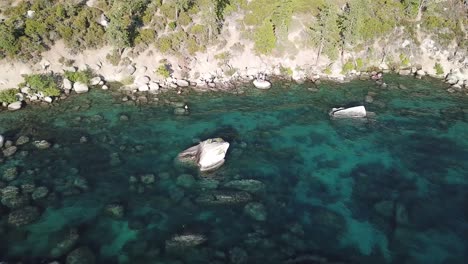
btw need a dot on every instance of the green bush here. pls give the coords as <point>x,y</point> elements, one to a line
<point>438,68</point>
<point>113,57</point>
<point>264,38</point>
<point>172,25</point>
<point>184,19</point>
<point>8,96</point>
<point>163,71</point>
<point>286,71</point>
<point>43,83</point>
<point>347,67</point>
<point>359,63</point>
<point>405,62</point>
<point>164,44</point>
<point>327,70</point>
<point>79,76</point>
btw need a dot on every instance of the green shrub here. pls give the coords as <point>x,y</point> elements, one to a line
<point>286,71</point>
<point>347,67</point>
<point>128,80</point>
<point>172,25</point>
<point>113,57</point>
<point>8,96</point>
<point>184,19</point>
<point>264,38</point>
<point>327,70</point>
<point>43,83</point>
<point>79,76</point>
<point>164,44</point>
<point>163,71</point>
<point>359,63</point>
<point>438,68</point>
<point>146,36</point>
<point>405,62</point>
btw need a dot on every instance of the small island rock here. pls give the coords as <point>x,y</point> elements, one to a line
<point>353,112</point>
<point>208,155</point>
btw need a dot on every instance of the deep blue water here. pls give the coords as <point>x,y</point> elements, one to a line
<point>391,189</point>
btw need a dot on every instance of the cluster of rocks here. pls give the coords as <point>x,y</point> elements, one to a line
<point>458,81</point>
<point>19,202</point>
<point>8,148</point>
<point>140,184</point>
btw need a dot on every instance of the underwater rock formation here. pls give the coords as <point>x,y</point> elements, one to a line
<point>352,112</point>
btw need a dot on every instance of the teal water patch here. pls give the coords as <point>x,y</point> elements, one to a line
<point>388,189</point>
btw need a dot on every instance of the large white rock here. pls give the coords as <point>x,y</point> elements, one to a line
<point>208,155</point>
<point>262,84</point>
<point>2,140</point>
<point>353,112</point>
<point>182,83</point>
<point>67,84</point>
<point>14,106</point>
<point>80,87</point>
<point>143,88</point>
<point>95,80</point>
<point>153,86</point>
<point>142,80</point>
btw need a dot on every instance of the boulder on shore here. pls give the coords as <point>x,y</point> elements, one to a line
<point>80,87</point>
<point>262,84</point>
<point>15,106</point>
<point>208,155</point>
<point>352,112</point>
<point>67,84</point>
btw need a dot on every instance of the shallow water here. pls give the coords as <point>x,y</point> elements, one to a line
<point>391,189</point>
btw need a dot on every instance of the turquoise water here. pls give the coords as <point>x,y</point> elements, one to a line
<point>391,189</point>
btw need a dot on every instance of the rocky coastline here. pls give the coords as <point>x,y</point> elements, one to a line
<point>142,85</point>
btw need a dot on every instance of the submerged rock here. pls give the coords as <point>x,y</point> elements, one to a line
<point>22,140</point>
<point>82,255</point>
<point>10,174</point>
<point>223,197</point>
<point>208,155</point>
<point>23,216</point>
<point>2,140</point>
<point>42,144</point>
<point>352,112</point>
<point>114,210</point>
<point>179,242</point>
<point>9,151</point>
<point>247,185</point>
<point>256,211</point>
<point>185,180</point>
<point>39,193</point>
<point>66,244</point>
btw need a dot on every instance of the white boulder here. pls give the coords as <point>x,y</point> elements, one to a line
<point>142,80</point>
<point>14,106</point>
<point>208,155</point>
<point>95,80</point>
<point>353,112</point>
<point>143,88</point>
<point>48,99</point>
<point>262,84</point>
<point>105,87</point>
<point>153,86</point>
<point>80,87</point>
<point>2,140</point>
<point>67,84</point>
<point>182,83</point>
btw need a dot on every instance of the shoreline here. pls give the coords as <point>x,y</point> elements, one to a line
<point>134,93</point>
